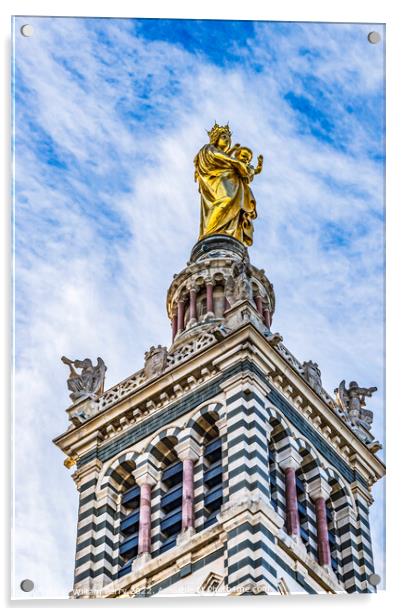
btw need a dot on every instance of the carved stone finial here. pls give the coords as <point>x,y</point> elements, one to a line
<point>88,384</point>
<point>312,374</point>
<point>155,361</point>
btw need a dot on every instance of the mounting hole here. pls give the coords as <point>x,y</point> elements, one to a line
<point>374,579</point>
<point>26,30</point>
<point>374,37</point>
<point>27,585</point>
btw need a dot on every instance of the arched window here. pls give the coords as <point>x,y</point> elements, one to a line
<point>307,472</point>
<point>332,538</point>
<point>219,299</point>
<point>129,521</point>
<point>213,472</point>
<point>273,473</point>
<point>276,474</point>
<point>171,502</point>
<point>201,304</point>
<point>302,506</point>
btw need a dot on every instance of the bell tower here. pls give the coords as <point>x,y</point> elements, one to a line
<point>222,465</point>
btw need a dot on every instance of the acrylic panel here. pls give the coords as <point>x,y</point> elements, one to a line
<point>198,230</point>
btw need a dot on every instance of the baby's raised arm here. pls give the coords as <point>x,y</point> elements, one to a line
<point>259,166</point>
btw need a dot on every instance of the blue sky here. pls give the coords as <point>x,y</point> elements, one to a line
<point>109,114</point>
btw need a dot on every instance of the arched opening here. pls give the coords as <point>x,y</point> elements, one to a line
<point>308,526</point>
<point>201,303</point>
<point>276,474</point>
<point>213,476</point>
<point>129,515</point>
<point>303,507</point>
<point>219,299</point>
<point>171,493</point>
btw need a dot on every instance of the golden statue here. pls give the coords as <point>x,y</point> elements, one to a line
<point>224,174</point>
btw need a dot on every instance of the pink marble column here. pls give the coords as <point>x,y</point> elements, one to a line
<point>180,315</point>
<point>174,326</point>
<point>267,317</point>
<point>144,532</point>
<point>258,301</point>
<point>289,461</point>
<point>210,297</point>
<point>193,304</point>
<point>188,494</point>
<point>324,553</point>
<point>292,512</point>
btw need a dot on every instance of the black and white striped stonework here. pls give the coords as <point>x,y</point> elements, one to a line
<point>250,558</point>
<point>249,549</point>
<point>247,444</point>
<point>360,565</point>
<point>98,529</point>
<point>86,529</point>
<point>240,444</point>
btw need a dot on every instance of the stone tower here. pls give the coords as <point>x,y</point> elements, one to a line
<point>222,465</point>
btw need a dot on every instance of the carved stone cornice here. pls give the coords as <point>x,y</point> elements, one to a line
<point>244,344</point>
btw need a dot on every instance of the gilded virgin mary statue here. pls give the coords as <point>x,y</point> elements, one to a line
<point>224,174</point>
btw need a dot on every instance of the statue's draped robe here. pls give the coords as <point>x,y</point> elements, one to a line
<point>227,203</point>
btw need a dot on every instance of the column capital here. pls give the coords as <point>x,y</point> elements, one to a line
<point>145,474</point>
<point>289,458</point>
<point>319,488</point>
<point>188,449</point>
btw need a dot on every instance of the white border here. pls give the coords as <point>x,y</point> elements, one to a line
<point>380,11</point>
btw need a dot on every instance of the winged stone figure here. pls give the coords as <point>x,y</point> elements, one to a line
<point>91,380</point>
<point>352,400</point>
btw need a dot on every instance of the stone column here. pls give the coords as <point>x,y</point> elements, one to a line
<point>267,317</point>
<point>210,297</point>
<point>188,494</point>
<point>289,460</point>
<point>174,326</point>
<point>258,301</point>
<point>320,491</point>
<point>193,305</point>
<point>188,452</point>
<point>180,316</point>
<point>144,533</point>
<point>145,478</point>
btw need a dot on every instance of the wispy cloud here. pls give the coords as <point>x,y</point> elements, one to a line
<point>109,115</point>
